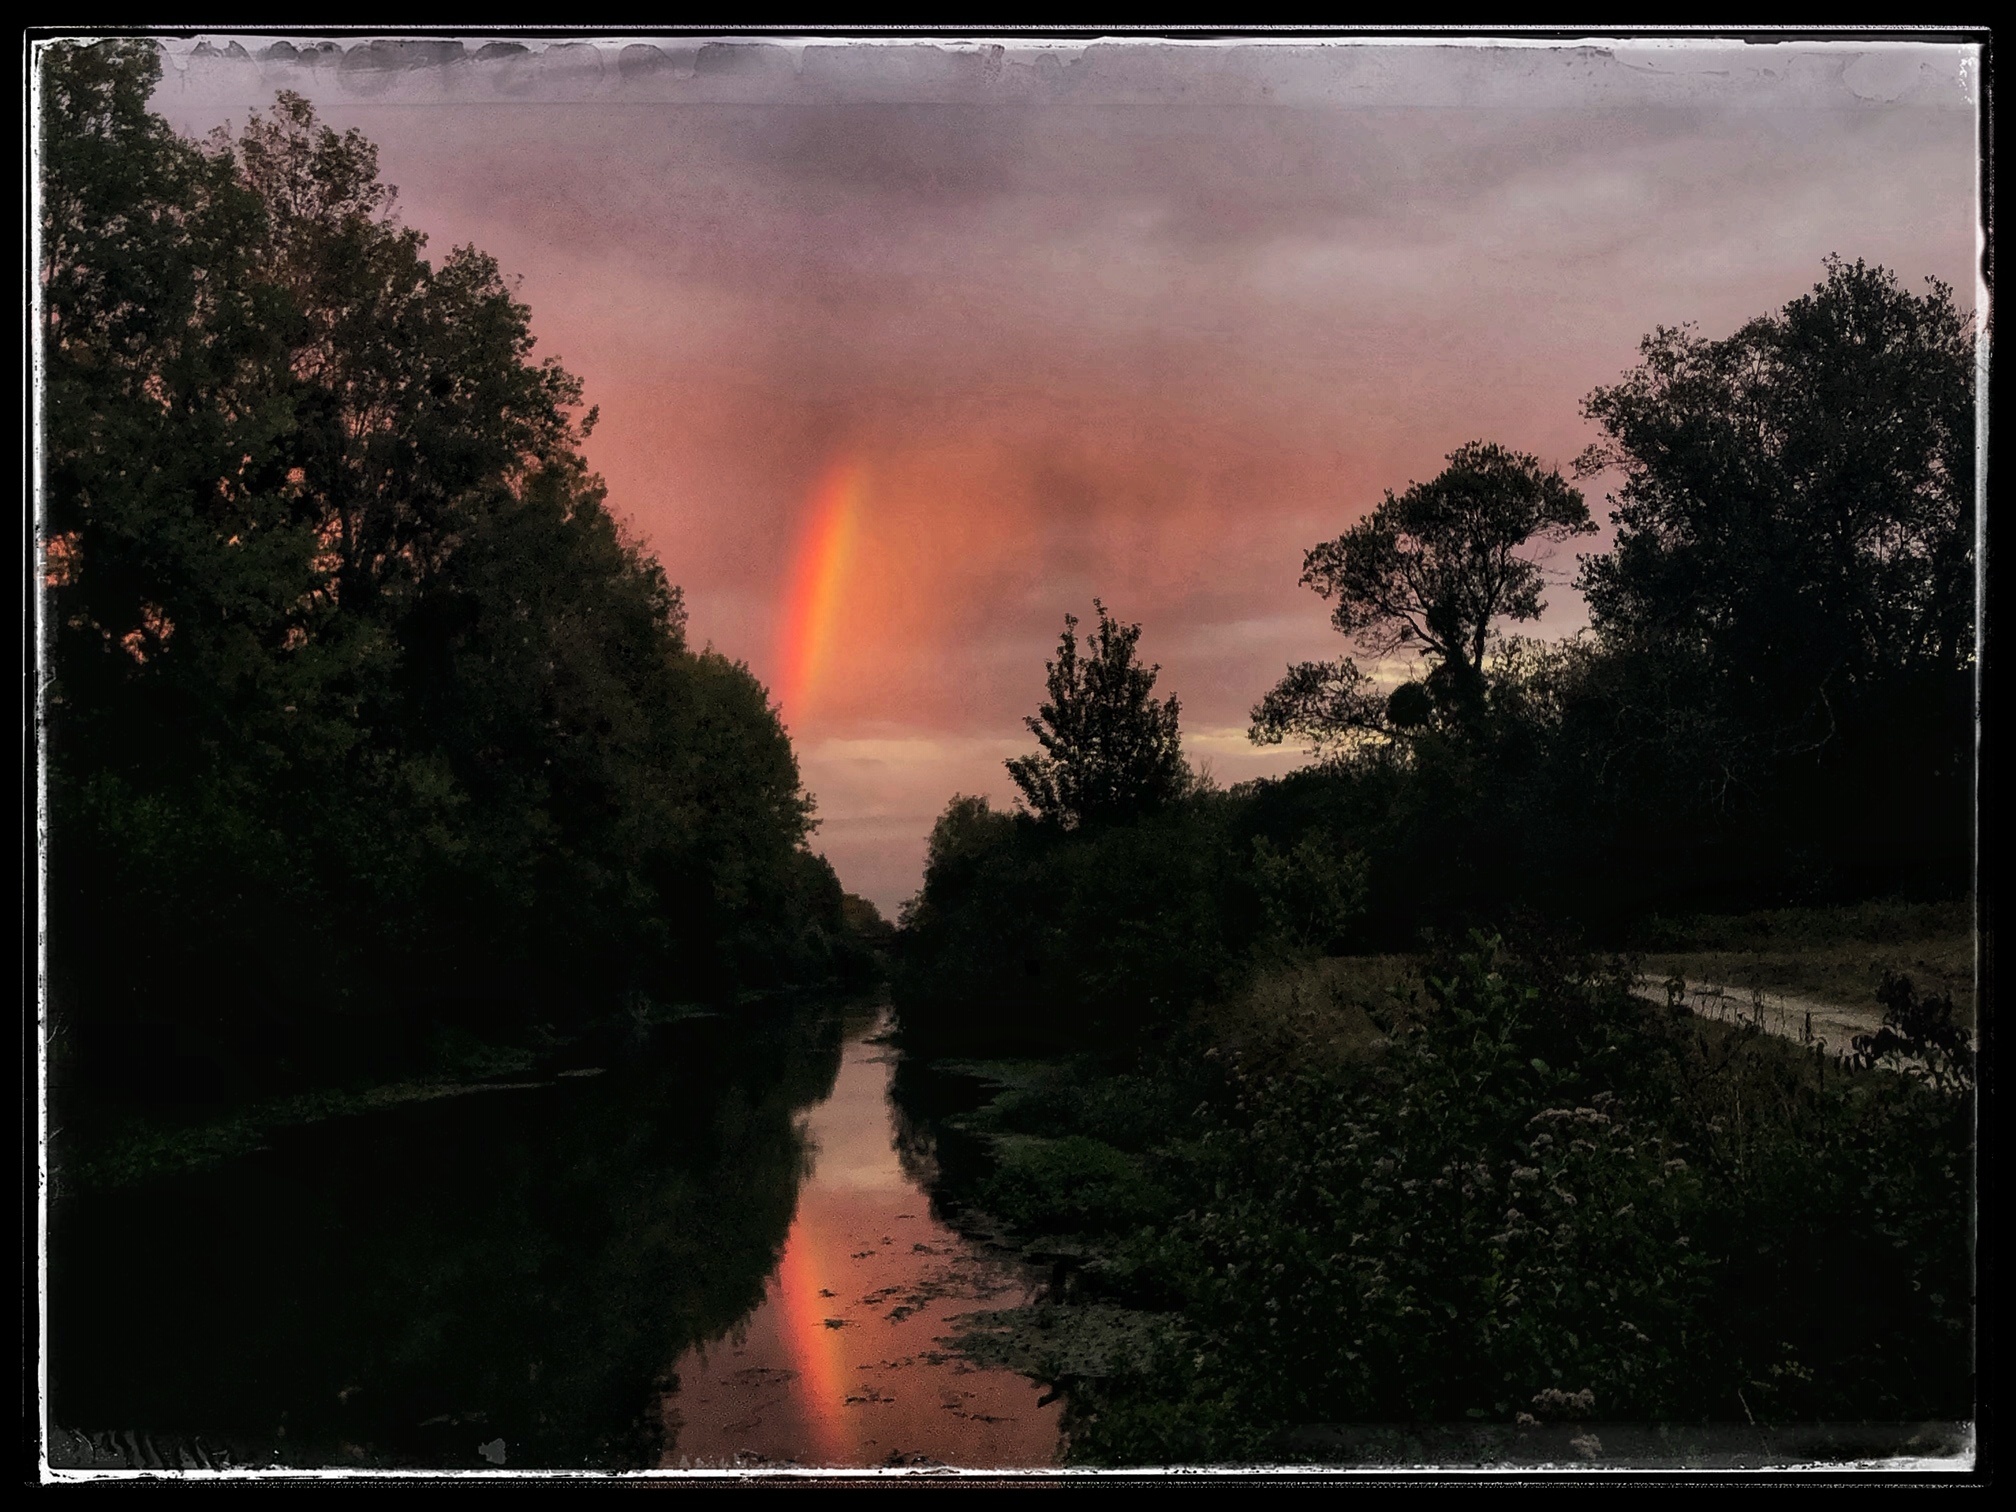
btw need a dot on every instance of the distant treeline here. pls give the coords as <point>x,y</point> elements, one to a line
<point>364,716</point>
<point>1773,704</point>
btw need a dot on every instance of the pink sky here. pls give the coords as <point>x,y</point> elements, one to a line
<point>1141,320</point>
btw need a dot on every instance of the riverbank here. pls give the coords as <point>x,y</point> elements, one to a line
<point>451,1281</point>
<point>716,1251</point>
<point>101,1144</point>
<point>1474,1193</point>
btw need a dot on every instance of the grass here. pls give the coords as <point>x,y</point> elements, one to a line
<point>134,1148</point>
<point>1836,955</point>
<point>1075,1184</point>
<point>1321,1010</point>
<point>1881,923</point>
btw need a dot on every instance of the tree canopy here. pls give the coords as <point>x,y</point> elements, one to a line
<point>359,691</point>
<point>1432,570</point>
<point>1793,581</point>
<point>1429,573</point>
<point>1797,506</point>
<point>1110,748</point>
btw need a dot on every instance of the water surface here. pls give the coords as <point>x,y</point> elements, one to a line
<point>616,1271</point>
<point>844,1361</point>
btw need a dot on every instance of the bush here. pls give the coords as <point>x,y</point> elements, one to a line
<point>1071,1185</point>
<point>1547,1191</point>
<point>1028,938</point>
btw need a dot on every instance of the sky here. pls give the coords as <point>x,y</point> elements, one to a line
<point>905,349</point>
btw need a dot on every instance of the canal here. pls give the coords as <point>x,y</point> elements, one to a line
<point>700,1251</point>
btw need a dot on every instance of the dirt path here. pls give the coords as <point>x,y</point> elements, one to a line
<point>1806,1020</point>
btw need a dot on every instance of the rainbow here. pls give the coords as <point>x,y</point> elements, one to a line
<point>809,626</point>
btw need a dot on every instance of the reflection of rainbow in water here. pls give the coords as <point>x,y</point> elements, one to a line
<point>863,1252</point>
<point>810,624</point>
<point>817,1352</point>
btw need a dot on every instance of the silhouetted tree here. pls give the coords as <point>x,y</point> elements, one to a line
<point>1110,748</point>
<point>360,698</point>
<point>1430,573</point>
<point>1798,498</point>
<point>1794,564</point>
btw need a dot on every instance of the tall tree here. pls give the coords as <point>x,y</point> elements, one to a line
<point>1429,573</point>
<point>1794,570</point>
<point>174,562</point>
<point>360,693</point>
<point>1110,748</point>
<point>1798,498</point>
<point>419,391</point>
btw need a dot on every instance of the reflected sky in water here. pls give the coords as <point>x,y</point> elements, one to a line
<point>843,1362</point>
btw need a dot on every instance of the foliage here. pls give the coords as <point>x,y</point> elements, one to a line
<point>1027,937</point>
<point>864,920</point>
<point>1775,698</point>
<point>1333,707</point>
<point>1311,894</point>
<point>1467,1226</point>
<point>1798,497</point>
<point>1920,1035</point>
<point>1787,616</point>
<point>1070,1185</point>
<point>1110,748</point>
<point>1543,1197</point>
<point>1429,572</point>
<point>1434,568</point>
<point>362,711</point>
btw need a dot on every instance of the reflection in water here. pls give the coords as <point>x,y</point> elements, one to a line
<point>843,1362</point>
<point>505,1278</point>
<point>441,1284</point>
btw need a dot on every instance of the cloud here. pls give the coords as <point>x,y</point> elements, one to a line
<point>879,794</point>
<point>1129,319</point>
